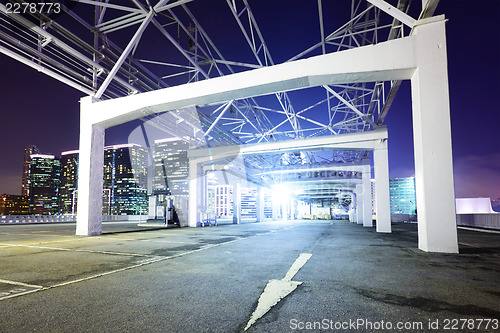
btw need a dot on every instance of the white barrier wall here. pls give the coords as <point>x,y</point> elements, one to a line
<point>8,219</point>
<point>15,219</point>
<point>490,221</point>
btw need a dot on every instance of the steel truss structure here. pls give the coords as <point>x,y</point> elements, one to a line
<point>225,73</point>
<point>111,48</point>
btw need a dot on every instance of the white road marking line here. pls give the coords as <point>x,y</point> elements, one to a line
<point>78,250</point>
<point>23,289</point>
<point>164,241</point>
<point>207,246</point>
<point>31,234</point>
<point>73,239</point>
<point>55,241</point>
<point>276,290</point>
<point>149,260</point>
<point>19,283</point>
<point>18,292</point>
<point>299,262</point>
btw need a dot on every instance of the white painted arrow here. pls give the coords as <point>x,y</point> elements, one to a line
<point>276,290</point>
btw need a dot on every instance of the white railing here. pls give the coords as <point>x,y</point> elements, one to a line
<point>20,219</point>
<point>13,219</point>
<point>403,218</point>
<point>117,218</point>
<point>490,221</point>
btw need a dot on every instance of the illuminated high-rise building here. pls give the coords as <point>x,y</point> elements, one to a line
<point>28,151</point>
<point>403,196</point>
<point>44,184</point>
<point>248,202</point>
<point>170,178</point>
<point>14,205</point>
<point>170,167</point>
<point>69,180</point>
<point>223,200</point>
<point>125,176</point>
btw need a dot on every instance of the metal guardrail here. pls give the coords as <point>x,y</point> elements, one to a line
<point>27,219</point>
<point>490,221</point>
<point>20,219</point>
<point>403,218</point>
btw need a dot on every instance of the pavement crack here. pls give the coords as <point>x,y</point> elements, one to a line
<point>428,304</point>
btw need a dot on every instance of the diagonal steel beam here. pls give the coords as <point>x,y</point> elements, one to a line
<point>124,55</point>
<point>350,106</point>
<point>218,117</point>
<point>162,6</point>
<point>394,12</point>
<point>109,5</point>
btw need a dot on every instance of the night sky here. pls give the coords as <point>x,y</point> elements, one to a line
<point>36,109</point>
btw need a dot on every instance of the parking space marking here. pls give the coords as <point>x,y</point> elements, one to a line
<point>165,241</point>
<point>18,292</point>
<point>78,250</point>
<point>149,260</point>
<point>19,283</point>
<point>24,289</point>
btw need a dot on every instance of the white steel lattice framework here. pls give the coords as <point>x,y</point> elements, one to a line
<point>142,49</point>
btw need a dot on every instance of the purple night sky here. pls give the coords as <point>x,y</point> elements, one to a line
<point>36,109</point>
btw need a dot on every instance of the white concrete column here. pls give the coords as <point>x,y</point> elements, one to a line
<point>260,205</point>
<point>367,196</point>
<point>382,196</point>
<point>90,173</point>
<point>352,208</point>
<point>152,204</point>
<point>359,204</point>
<point>237,202</point>
<point>276,207</point>
<point>437,230</point>
<point>284,208</point>
<point>194,194</point>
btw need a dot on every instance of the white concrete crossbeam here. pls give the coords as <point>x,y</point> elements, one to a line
<point>364,64</point>
<point>352,141</point>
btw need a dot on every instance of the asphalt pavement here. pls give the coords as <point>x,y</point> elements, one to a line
<point>348,279</point>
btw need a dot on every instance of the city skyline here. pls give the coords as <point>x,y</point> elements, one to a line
<point>31,101</point>
<point>169,163</point>
<point>50,182</point>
